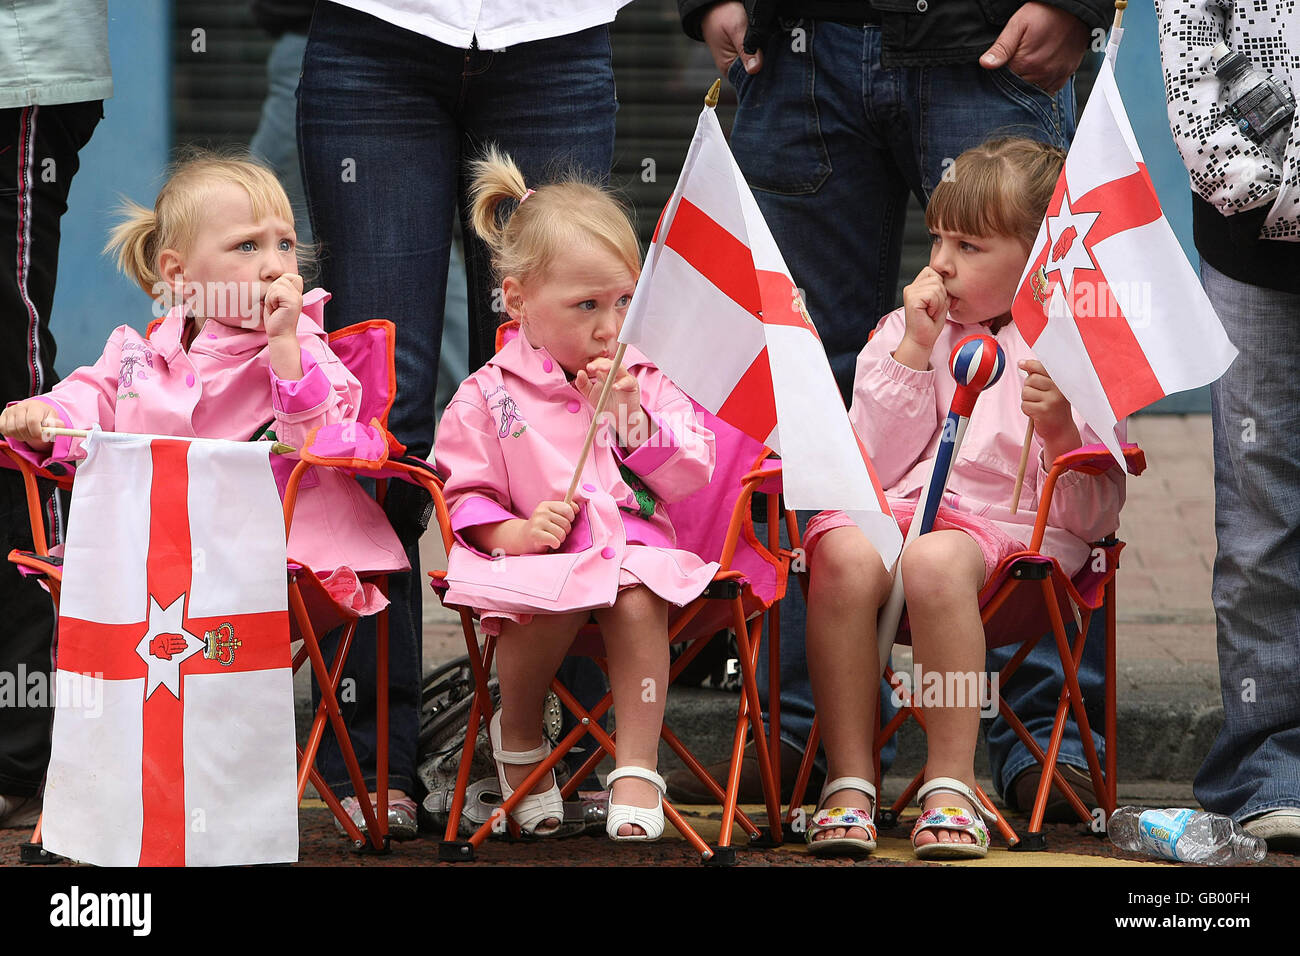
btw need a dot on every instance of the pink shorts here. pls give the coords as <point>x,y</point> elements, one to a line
<point>994,543</point>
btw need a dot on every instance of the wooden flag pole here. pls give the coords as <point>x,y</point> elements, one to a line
<point>279,448</point>
<point>595,420</point>
<point>1024,462</point>
<point>1120,7</point>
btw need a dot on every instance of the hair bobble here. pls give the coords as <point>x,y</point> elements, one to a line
<point>526,195</point>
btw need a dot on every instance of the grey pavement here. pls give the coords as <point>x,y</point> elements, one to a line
<point>1168,690</point>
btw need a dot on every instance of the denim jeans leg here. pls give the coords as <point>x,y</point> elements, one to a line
<point>1254,764</point>
<point>276,138</point>
<point>956,107</point>
<point>834,196</point>
<point>550,104</point>
<point>379,152</point>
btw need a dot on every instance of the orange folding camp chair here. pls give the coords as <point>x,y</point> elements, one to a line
<point>716,524</point>
<point>367,350</point>
<point>1028,596</point>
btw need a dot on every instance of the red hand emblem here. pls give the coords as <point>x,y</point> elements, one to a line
<point>165,645</point>
<point>1064,243</point>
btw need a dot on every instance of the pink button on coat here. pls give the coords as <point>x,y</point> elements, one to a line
<point>510,439</point>
<point>223,387</point>
<point>899,413</point>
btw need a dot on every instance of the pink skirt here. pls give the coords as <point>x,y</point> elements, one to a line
<point>994,543</point>
<point>490,620</point>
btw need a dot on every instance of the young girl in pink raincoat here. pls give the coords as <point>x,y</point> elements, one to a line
<point>535,568</point>
<point>240,347</point>
<point>982,224</point>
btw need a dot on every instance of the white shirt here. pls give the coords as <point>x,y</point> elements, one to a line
<point>496,24</point>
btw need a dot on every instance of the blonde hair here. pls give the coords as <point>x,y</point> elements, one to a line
<point>173,222</point>
<point>555,218</point>
<point>1001,187</point>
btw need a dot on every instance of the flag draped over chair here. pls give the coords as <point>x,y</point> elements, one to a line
<point>716,309</point>
<point>173,739</point>
<point>1108,301</point>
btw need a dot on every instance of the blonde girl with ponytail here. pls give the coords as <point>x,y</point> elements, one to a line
<point>536,567</point>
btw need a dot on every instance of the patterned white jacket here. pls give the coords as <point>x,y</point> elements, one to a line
<point>1227,169</point>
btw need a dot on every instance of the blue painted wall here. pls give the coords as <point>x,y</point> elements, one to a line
<point>126,156</point>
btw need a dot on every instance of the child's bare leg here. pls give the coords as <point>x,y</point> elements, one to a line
<point>847,585</point>
<point>635,631</point>
<point>528,655</point>
<point>942,575</point>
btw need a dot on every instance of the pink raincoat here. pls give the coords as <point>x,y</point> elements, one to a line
<point>899,412</point>
<point>510,439</point>
<point>223,387</point>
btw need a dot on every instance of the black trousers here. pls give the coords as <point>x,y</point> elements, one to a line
<point>39,148</point>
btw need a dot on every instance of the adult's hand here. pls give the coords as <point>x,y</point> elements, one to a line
<point>1041,44</point>
<point>723,27</point>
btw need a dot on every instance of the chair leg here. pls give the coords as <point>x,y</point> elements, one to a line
<point>381,715</point>
<point>34,852</point>
<point>606,743</point>
<point>749,646</point>
<point>1110,800</point>
<point>805,771</point>
<point>317,731</point>
<point>336,718</point>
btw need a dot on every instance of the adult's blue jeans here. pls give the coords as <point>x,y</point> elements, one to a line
<point>1254,764</point>
<point>388,121</point>
<point>276,138</point>
<point>834,145</point>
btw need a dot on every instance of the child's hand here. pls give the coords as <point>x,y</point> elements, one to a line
<point>547,528</point>
<point>25,420</point>
<point>925,309</point>
<point>1042,401</point>
<point>281,306</point>
<point>624,396</point>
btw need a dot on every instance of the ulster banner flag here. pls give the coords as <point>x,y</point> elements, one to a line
<point>1108,302</point>
<point>715,308</point>
<point>173,737</point>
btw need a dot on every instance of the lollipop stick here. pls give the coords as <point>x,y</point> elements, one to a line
<point>1024,461</point>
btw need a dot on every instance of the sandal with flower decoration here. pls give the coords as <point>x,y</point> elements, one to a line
<point>832,818</point>
<point>968,820</point>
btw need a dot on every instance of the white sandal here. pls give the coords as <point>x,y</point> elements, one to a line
<point>834,818</point>
<point>951,818</point>
<point>649,819</point>
<point>535,807</point>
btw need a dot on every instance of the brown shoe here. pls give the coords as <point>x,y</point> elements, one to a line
<point>1025,788</point>
<point>685,787</point>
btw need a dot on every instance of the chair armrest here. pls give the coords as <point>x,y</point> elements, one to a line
<point>1089,460</point>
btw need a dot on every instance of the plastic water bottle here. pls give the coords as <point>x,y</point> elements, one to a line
<point>1189,836</point>
<point>1262,106</point>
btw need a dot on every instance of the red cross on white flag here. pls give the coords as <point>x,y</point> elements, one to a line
<point>1108,301</point>
<point>716,309</point>
<point>173,738</point>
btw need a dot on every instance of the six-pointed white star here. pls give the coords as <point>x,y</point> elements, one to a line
<point>166,621</point>
<point>1077,255</point>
